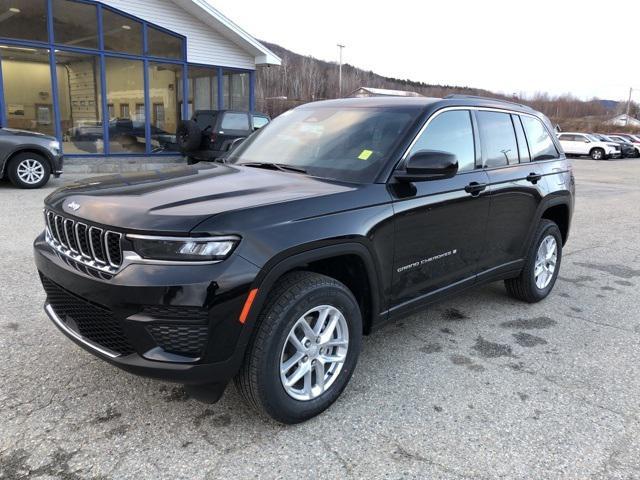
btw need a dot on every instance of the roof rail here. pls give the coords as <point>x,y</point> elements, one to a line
<point>461,95</point>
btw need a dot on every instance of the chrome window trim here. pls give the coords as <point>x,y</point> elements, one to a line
<point>69,331</point>
<point>470,108</point>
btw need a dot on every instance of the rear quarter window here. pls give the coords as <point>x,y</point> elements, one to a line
<point>541,145</point>
<point>235,121</point>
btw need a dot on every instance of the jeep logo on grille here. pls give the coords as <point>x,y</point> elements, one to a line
<point>74,206</point>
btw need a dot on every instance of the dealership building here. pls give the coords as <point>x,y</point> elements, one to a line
<point>114,78</point>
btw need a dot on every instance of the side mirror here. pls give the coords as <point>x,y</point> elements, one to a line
<point>428,165</point>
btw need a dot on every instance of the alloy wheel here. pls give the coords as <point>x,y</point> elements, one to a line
<point>546,260</point>
<point>30,171</point>
<point>314,352</point>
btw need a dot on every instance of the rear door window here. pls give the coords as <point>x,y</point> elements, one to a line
<point>235,121</point>
<point>499,146</point>
<point>204,120</point>
<point>259,121</point>
<point>540,143</point>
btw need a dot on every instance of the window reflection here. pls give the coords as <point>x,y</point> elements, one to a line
<point>161,44</point>
<point>27,89</point>
<point>26,20</point>
<point>121,34</point>
<point>236,90</point>
<point>125,90</point>
<point>75,23</point>
<point>165,95</point>
<point>80,102</point>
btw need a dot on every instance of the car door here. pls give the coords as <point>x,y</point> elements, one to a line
<point>582,144</point>
<point>233,125</point>
<point>439,224</point>
<point>518,184</point>
<point>569,143</point>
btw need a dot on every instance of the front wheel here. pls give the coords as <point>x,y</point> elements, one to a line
<point>305,349</point>
<point>597,154</point>
<point>29,170</point>
<point>541,267</point>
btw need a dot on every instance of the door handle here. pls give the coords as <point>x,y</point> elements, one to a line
<point>534,177</point>
<point>474,188</point>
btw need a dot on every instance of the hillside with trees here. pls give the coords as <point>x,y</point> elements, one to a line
<point>301,79</point>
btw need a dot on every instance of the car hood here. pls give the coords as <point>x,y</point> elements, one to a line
<point>26,133</point>
<point>176,200</point>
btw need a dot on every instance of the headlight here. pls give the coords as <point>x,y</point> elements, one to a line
<point>177,249</point>
<point>54,145</point>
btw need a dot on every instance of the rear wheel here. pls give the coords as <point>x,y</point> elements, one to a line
<point>597,154</point>
<point>542,265</point>
<point>305,349</point>
<point>29,170</point>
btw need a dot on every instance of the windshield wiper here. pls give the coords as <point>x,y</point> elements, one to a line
<point>283,167</point>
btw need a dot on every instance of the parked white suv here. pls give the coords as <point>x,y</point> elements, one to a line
<point>585,144</point>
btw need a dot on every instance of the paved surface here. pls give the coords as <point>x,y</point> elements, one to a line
<point>477,387</point>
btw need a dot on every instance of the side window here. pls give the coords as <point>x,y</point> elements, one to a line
<point>450,132</point>
<point>523,149</point>
<point>235,121</point>
<point>499,146</point>
<point>566,137</point>
<point>259,122</point>
<point>540,143</point>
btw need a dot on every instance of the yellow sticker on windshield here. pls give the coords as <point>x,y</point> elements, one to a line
<point>365,154</point>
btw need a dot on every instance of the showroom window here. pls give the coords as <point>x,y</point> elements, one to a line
<point>28,100</point>
<point>75,23</point>
<point>80,103</point>
<point>165,96</point>
<point>125,90</point>
<point>203,89</point>
<point>24,20</point>
<point>121,33</point>
<point>236,90</point>
<point>162,44</point>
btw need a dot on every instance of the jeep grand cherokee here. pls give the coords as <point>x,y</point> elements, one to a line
<point>335,218</point>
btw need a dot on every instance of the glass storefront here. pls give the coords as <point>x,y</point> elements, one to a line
<point>103,81</point>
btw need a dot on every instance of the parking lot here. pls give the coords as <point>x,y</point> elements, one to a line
<point>480,386</point>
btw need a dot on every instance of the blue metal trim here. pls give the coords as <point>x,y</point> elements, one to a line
<point>50,21</point>
<point>145,40</point>
<point>106,147</point>
<point>252,93</point>
<point>3,110</point>
<point>123,155</point>
<point>185,92</point>
<point>221,104</point>
<point>100,29</point>
<point>54,94</point>
<point>147,115</point>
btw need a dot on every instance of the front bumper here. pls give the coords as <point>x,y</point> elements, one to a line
<point>57,162</point>
<point>170,322</point>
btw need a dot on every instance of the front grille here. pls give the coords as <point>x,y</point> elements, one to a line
<point>189,314</point>
<point>90,245</point>
<point>93,322</point>
<point>186,340</point>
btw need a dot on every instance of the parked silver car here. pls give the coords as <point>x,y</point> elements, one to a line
<point>29,159</point>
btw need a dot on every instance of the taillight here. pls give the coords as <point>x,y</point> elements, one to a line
<point>213,136</point>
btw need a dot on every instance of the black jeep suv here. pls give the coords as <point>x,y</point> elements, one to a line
<point>335,218</point>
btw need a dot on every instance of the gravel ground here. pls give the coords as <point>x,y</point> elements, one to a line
<point>480,386</point>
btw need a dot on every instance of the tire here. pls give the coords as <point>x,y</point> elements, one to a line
<point>259,380</point>
<point>29,170</point>
<point>597,154</point>
<point>188,136</point>
<point>524,287</point>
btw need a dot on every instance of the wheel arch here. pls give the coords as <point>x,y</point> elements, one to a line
<point>349,263</point>
<point>25,149</point>
<point>558,210</point>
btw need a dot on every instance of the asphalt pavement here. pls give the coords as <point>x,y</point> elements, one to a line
<point>480,386</point>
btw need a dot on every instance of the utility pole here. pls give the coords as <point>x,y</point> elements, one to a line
<point>628,106</point>
<point>340,71</point>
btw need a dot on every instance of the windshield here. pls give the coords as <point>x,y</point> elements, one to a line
<point>593,138</point>
<point>348,144</point>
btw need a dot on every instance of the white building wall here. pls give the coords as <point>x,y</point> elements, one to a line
<point>204,44</point>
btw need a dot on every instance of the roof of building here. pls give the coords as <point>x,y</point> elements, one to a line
<point>208,14</point>
<point>383,92</point>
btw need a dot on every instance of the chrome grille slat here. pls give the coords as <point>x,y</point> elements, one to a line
<point>86,245</point>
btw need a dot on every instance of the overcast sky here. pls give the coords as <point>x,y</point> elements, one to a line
<point>517,46</point>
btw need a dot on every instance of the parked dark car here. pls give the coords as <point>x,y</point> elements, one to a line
<point>334,219</point>
<point>627,149</point>
<point>29,159</point>
<point>211,134</point>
